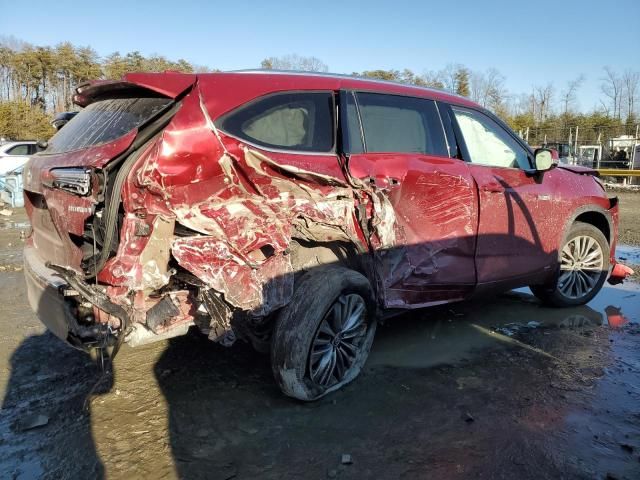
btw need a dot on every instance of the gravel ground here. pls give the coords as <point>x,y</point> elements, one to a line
<point>629,217</point>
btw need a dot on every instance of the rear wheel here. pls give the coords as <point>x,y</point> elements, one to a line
<point>323,336</point>
<point>583,269</point>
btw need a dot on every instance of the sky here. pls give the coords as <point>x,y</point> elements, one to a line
<point>530,43</point>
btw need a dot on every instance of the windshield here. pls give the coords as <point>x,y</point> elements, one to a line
<point>105,121</point>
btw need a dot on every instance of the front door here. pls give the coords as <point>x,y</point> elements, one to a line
<point>516,207</point>
<point>397,145</point>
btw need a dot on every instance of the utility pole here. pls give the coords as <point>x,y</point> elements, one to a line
<point>598,141</point>
<point>576,144</point>
<point>572,156</point>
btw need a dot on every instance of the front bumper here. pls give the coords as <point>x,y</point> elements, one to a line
<point>44,294</point>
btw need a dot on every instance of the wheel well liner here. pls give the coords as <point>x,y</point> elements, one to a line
<point>598,220</point>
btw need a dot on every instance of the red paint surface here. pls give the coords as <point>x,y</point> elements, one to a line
<point>169,84</point>
<point>437,226</point>
<point>436,207</point>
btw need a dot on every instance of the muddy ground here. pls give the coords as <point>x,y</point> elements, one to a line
<point>498,388</point>
<point>629,217</point>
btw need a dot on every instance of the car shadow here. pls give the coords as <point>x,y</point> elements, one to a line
<point>228,419</point>
<point>46,391</point>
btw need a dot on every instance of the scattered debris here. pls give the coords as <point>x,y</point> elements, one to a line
<point>468,382</point>
<point>10,268</point>
<point>249,430</point>
<point>346,459</point>
<point>469,418</point>
<point>510,329</point>
<point>32,421</point>
<point>626,447</point>
<point>6,212</point>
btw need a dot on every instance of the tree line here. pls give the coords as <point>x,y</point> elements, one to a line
<point>38,81</point>
<point>546,112</point>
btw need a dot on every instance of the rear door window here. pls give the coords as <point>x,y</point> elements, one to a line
<point>105,121</point>
<point>300,121</point>
<point>394,123</point>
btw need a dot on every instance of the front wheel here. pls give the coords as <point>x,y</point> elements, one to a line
<point>323,336</point>
<point>584,266</point>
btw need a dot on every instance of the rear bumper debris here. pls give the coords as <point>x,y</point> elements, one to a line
<point>84,316</point>
<point>43,293</point>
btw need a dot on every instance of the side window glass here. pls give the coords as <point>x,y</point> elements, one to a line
<point>19,150</point>
<point>488,143</point>
<point>394,123</point>
<point>351,133</point>
<point>292,121</point>
<point>447,123</point>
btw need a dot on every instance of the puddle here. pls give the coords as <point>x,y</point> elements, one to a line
<point>628,254</point>
<point>447,335</point>
<point>618,300</point>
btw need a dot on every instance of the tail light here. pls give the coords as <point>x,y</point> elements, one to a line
<point>73,180</point>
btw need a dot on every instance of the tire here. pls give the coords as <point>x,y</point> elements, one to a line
<point>321,327</point>
<point>577,286</point>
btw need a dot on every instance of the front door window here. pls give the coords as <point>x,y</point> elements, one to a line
<point>488,144</point>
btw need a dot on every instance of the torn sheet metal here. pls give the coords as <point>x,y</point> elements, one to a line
<point>244,207</point>
<point>433,213</point>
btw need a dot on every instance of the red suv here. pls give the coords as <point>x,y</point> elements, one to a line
<point>294,211</point>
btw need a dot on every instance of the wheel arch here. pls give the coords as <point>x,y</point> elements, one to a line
<point>307,255</point>
<point>593,215</point>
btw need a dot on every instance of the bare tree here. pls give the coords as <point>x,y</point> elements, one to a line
<point>517,104</point>
<point>488,89</point>
<point>449,76</point>
<point>568,95</point>
<point>543,98</point>
<point>432,79</point>
<point>630,84</point>
<point>611,86</point>
<point>605,109</point>
<point>294,62</point>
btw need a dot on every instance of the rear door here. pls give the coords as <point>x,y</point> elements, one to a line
<point>518,210</point>
<point>396,144</point>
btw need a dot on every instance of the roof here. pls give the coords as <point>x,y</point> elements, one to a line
<point>226,90</point>
<point>352,82</point>
<point>171,83</point>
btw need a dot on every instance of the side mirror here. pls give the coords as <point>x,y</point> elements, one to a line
<point>544,159</point>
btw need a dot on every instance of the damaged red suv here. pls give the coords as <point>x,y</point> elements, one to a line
<point>294,211</point>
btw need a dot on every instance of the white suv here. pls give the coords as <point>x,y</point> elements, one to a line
<point>16,154</point>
